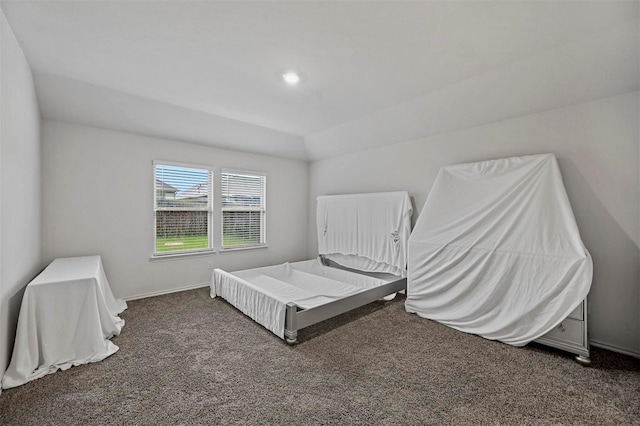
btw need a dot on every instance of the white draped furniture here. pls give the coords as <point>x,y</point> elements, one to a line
<point>497,252</point>
<point>67,317</point>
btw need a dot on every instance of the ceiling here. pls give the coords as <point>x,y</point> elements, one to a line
<point>209,72</point>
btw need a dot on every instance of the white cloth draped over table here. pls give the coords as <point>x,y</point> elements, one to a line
<point>67,315</point>
<point>367,232</point>
<point>496,250</point>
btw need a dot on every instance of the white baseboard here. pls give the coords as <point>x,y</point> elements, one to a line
<point>162,292</point>
<point>614,348</point>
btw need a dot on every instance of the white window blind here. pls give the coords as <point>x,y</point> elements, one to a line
<point>183,208</point>
<point>243,209</point>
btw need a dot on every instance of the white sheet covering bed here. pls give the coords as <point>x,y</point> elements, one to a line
<point>367,232</point>
<point>263,293</point>
<point>496,250</point>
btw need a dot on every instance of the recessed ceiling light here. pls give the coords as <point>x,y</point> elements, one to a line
<point>291,77</point>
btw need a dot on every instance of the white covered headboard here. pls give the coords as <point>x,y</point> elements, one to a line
<point>367,232</point>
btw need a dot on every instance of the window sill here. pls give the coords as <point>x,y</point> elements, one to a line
<point>231,249</point>
<point>178,256</point>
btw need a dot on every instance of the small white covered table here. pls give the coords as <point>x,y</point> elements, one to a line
<point>67,317</point>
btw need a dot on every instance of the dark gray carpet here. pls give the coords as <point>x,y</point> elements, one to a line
<point>187,359</point>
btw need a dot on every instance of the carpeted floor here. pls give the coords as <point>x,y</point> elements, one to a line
<point>187,359</point>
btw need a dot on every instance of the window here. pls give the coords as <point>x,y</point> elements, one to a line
<point>183,206</point>
<point>243,209</point>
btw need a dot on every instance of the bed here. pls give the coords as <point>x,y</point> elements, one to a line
<point>362,246</point>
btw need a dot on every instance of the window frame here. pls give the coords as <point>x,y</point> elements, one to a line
<point>262,210</point>
<point>209,209</point>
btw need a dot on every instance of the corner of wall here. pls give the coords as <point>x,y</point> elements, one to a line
<point>20,128</point>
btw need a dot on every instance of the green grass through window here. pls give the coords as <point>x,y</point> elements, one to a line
<point>238,241</point>
<point>181,243</point>
<point>168,244</point>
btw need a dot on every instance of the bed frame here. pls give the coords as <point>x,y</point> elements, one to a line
<point>297,318</point>
<point>397,207</point>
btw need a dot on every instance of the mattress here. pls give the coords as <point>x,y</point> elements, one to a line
<point>263,293</point>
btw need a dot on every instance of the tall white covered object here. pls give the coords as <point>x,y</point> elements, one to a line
<point>496,250</point>
<point>367,232</point>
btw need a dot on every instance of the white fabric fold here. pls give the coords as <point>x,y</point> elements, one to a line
<point>496,250</point>
<point>367,232</point>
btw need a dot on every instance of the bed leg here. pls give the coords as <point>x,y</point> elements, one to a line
<point>585,361</point>
<point>291,337</point>
<point>290,327</point>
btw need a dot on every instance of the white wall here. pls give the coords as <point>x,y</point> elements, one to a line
<point>20,259</point>
<point>598,148</point>
<point>98,199</point>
